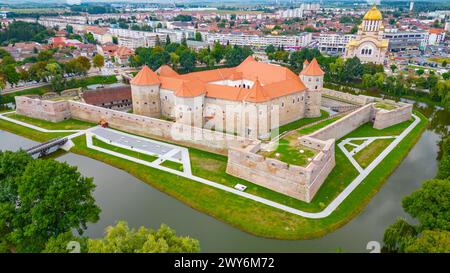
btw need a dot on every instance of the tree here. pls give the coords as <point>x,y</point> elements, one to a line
<point>393,68</point>
<point>237,55</point>
<point>62,243</point>
<point>122,239</point>
<point>430,204</point>
<point>11,74</point>
<point>98,61</point>
<point>174,59</point>
<point>270,49</point>
<point>430,241</point>
<point>40,199</point>
<point>187,60</point>
<point>167,40</point>
<point>398,235</point>
<point>69,29</point>
<point>420,71</point>
<point>198,36</point>
<point>444,64</point>
<point>85,64</point>
<point>45,55</point>
<point>353,69</point>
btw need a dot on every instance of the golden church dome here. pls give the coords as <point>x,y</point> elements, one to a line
<point>373,14</point>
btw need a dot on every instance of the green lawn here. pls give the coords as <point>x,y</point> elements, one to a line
<point>69,124</point>
<point>173,165</point>
<point>290,153</point>
<point>300,123</point>
<point>320,125</point>
<point>251,216</point>
<point>358,141</point>
<point>349,147</point>
<point>135,154</point>
<point>28,133</point>
<point>385,106</point>
<point>369,153</point>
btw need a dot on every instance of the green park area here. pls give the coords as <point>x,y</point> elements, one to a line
<point>245,214</point>
<point>369,153</point>
<point>68,124</point>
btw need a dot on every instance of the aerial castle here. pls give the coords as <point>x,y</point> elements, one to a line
<point>276,94</point>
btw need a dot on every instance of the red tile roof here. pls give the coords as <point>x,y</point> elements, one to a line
<point>313,69</point>
<point>145,77</point>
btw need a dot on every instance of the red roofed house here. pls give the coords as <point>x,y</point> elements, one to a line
<point>275,94</point>
<point>436,36</point>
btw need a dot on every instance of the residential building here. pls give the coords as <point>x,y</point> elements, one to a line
<point>259,41</point>
<point>334,43</point>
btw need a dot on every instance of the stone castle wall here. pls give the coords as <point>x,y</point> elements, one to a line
<point>384,118</point>
<point>295,181</point>
<point>345,125</point>
<point>208,140</point>
<point>54,111</point>
<point>355,99</point>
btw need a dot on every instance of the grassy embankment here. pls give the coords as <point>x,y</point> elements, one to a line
<point>254,217</point>
<point>69,124</point>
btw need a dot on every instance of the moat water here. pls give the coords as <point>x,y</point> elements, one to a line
<point>123,197</point>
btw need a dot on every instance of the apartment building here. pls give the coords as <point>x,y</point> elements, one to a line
<point>334,43</point>
<point>259,41</point>
<point>133,39</point>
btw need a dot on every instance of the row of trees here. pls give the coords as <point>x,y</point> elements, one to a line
<point>182,58</point>
<point>430,206</point>
<point>371,77</point>
<point>19,31</point>
<point>45,69</point>
<point>43,201</point>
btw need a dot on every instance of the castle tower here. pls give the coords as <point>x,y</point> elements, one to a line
<point>312,78</point>
<point>189,103</point>
<point>145,88</point>
<point>369,45</point>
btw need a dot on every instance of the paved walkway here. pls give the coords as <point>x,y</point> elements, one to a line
<point>163,151</point>
<point>358,147</point>
<point>314,215</point>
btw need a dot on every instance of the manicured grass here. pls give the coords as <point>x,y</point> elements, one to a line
<point>367,130</point>
<point>173,165</point>
<point>368,154</point>
<point>28,133</point>
<point>349,147</point>
<point>385,106</point>
<point>257,218</point>
<point>290,153</point>
<point>320,125</point>
<point>69,124</point>
<point>98,80</point>
<point>135,154</point>
<point>358,141</point>
<point>299,123</point>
